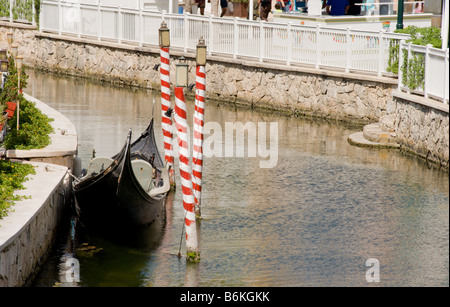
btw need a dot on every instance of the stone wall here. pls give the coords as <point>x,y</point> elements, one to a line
<point>422,126</point>
<point>297,91</point>
<point>28,233</point>
<point>334,95</point>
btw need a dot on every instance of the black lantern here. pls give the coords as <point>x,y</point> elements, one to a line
<point>182,71</point>
<point>4,65</point>
<point>164,35</point>
<point>3,55</point>
<point>201,52</point>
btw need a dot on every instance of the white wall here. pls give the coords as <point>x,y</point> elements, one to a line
<point>160,5</point>
<point>149,4</point>
<point>134,4</point>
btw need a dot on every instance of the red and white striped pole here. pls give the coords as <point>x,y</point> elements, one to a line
<point>166,121</point>
<point>192,251</point>
<point>197,159</point>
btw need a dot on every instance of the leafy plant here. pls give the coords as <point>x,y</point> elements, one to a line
<point>416,71</point>
<point>413,69</point>
<point>10,92</point>
<point>34,127</point>
<point>394,48</point>
<point>423,36</point>
<point>12,177</point>
<point>4,8</point>
<point>22,9</point>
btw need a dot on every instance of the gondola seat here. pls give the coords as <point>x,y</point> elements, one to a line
<point>144,173</point>
<point>98,165</point>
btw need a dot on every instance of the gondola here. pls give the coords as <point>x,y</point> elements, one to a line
<point>125,191</point>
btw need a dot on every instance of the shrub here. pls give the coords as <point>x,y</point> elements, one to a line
<point>418,36</point>
<point>12,177</point>
<point>34,127</point>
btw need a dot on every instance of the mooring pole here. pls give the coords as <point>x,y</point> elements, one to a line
<point>166,121</point>
<point>197,159</point>
<point>192,251</point>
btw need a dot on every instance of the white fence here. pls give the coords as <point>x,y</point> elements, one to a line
<point>424,70</point>
<point>320,47</point>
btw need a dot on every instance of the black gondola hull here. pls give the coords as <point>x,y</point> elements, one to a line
<point>114,199</point>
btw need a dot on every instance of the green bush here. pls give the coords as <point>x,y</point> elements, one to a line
<point>34,127</point>
<point>12,177</point>
<point>423,36</point>
<point>413,70</point>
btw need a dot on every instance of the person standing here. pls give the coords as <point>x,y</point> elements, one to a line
<point>384,8</point>
<point>224,6</point>
<point>337,7</point>
<point>354,8</point>
<point>285,5</point>
<point>201,5</point>
<point>265,7</point>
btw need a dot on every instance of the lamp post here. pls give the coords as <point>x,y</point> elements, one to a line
<point>19,63</point>
<point>166,120</point>
<point>192,251</point>
<point>400,14</point>
<point>197,159</point>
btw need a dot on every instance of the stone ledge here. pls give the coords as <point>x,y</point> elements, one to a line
<point>19,25</point>
<point>421,100</point>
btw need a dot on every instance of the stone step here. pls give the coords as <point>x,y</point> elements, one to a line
<point>358,139</point>
<point>375,133</point>
<point>381,134</point>
<point>387,123</point>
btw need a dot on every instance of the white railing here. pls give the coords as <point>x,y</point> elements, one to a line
<point>18,11</point>
<point>424,70</point>
<point>320,47</point>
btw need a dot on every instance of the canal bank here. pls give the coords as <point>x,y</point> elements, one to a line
<point>323,211</point>
<point>295,90</point>
<point>28,232</point>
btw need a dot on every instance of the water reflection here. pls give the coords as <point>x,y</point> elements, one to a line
<point>313,220</point>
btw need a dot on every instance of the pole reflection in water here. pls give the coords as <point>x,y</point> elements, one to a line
<point>312,220</point>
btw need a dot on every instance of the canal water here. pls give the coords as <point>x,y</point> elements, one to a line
<point>325,215</point>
